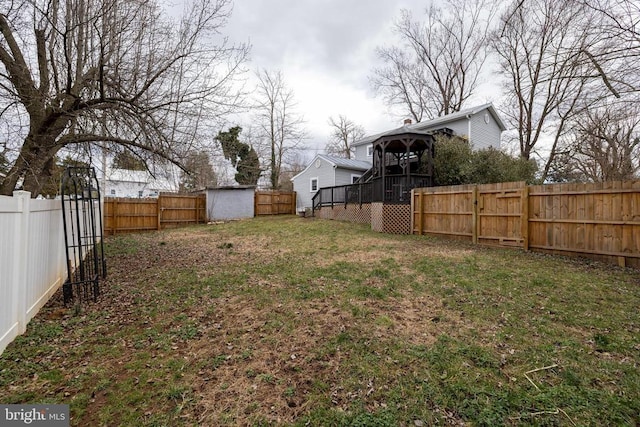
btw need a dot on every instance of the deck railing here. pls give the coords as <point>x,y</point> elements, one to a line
<point>391,189</point>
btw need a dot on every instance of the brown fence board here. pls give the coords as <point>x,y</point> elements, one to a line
<point>275,203</point>
<point>599,220</point>
<point>168,210</point>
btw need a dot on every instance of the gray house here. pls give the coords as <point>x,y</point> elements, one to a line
<point>481,125</point>
<point>326,171</point>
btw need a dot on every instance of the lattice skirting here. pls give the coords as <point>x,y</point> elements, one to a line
<point>391,218</point>
<point>351,213</point>
<point>383,217</point>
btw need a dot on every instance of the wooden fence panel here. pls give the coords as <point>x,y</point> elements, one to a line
<point>500,213</point>
<point>275,203</point>
<point>125,215</point>
<point>601,220</point>
<point>598,220</point>
<point>176,210</point>
<point>444,210</point>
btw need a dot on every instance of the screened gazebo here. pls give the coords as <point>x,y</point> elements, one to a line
<point>402,160</point>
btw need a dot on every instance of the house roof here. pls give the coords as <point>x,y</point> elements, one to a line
<point>142,177</point>
<point>341,162</point>
<point>126,175</point>
<point>434,123</point>
<point>338,162</point>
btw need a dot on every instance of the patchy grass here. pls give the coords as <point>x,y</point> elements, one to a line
<point>293,321</point>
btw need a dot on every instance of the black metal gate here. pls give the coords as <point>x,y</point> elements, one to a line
<point>83,233</point>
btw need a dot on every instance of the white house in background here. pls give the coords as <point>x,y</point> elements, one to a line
<point>130,183</point>
<point>481,125</point>
<point>326,171</point>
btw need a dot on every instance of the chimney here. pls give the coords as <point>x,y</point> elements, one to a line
<point>407,122</point>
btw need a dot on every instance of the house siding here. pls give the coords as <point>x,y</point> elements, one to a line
<point>484,135</point>
<point>302,183</point>
<point>329,174</point>
<point>459,127</point>
<point>343,176</point>
<point>127,189</point>
<point>361,153</point>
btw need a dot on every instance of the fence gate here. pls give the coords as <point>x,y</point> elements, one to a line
<point>83,232</point>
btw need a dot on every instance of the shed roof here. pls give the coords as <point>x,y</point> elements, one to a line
<point>232,187</point>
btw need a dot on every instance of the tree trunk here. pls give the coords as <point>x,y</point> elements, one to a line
<point>32,167</point>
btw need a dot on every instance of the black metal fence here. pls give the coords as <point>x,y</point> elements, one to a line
<point>83,234</point>
<point>391,189</point>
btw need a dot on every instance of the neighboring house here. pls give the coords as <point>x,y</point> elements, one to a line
<point>481,125</point>
<point>130,183</point>
<point>326,171</point>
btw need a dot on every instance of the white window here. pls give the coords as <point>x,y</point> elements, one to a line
<point>113,192</point>
<point>314,185</point>
<point>354,178</point>
<point>370,151</point>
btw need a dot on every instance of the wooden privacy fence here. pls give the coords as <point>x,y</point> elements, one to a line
<point>596,220</point>
<point>167,211</point>
<point>275,203</point>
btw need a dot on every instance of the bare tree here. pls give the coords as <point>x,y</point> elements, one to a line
<point>604,146</point>
<point>560,60</point>
<point>540,45</point>
<point>295,164</point>
<point>437,69</point>
<point>615,58</point>
<point>344,133</point>
<point>281,128</point>
<point>104,72</point>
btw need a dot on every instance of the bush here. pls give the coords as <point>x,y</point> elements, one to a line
<point>490,165</point>
<point>452,162</point>
<point>456,163</point>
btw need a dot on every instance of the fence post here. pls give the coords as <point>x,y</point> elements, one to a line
<point>114,217</point>
<point>21,239</point>
<point>524,225</point>
<point>271,202</point>
<point>294,202</point>
<point>159,211</point>
<point>474,215</point>
<point>421,211</point>
<point>255,203</point>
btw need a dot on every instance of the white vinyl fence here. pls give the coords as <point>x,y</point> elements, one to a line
<point>32,259</point>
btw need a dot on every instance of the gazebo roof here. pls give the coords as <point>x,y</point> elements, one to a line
<point>397,140</point>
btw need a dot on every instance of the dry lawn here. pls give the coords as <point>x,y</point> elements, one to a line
<point>299,321</point>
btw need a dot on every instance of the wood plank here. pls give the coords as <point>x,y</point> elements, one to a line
<point>524,219</point>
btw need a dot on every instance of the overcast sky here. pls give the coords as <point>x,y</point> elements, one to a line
<point>326,52</point>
